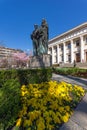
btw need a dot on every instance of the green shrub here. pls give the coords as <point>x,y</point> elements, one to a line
<point>9,102</point>
<point>71,71</point>
<point>34,75</point>
<point>26,76</point>
<point>6,75</point>
<point>60,70</point>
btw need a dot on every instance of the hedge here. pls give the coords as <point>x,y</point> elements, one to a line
<point>26,76</point>
<point>71,71</point>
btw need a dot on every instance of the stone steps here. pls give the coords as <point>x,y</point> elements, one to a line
<point>83,65</point>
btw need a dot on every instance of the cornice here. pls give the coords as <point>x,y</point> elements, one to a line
<point>71,31</point>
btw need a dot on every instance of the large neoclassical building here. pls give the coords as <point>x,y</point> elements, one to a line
<point>69,46</point>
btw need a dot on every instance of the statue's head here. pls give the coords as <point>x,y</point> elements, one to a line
<point>43,20</point>
<point>35,26</point>
<point>43,23</point>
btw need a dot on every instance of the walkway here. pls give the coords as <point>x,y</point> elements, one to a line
<point>78,121</point>
<point>70,79</point>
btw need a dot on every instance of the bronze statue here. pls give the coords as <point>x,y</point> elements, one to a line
<point>40,38</point>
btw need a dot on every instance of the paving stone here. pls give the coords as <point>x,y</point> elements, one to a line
<point>80,114</point>
<point>71,79</point>
<point>71,126</point>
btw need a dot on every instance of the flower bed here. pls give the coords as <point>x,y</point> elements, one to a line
<point>47,105</point>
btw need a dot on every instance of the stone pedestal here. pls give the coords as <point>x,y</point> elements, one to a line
<point>41,61</point>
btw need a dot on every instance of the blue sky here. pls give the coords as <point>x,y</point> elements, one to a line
<point>17,18</point>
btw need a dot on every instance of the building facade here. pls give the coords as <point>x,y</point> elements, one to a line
<point>7,52</point>
<point>70,46</point>
<point>6,56</point>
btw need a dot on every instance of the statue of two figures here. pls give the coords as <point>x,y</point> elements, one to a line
<point>40,38</point>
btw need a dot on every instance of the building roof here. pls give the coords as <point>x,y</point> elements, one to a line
<point>68,32</point>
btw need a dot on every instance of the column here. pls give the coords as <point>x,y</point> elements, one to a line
<point>81,49</point>
<point>52,55</point>
<point>64,52</point>
<point>58,54</point>
<point>72,54</point>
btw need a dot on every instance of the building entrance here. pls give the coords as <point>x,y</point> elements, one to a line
<point>86,56</point>
<point>77,57</point>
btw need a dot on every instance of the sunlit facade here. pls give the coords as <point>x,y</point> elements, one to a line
<point>69,46</point>
<point>7,52</point>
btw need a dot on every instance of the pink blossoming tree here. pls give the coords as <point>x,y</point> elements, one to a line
<point>20,59</point>
<point>16,60</point>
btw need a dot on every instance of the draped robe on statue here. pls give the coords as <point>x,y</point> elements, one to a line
<point>40,38</point>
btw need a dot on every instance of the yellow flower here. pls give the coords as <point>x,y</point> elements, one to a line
<point>45,104</point>
<point>56,119</point>
<point>67,108</point>
<point>23,87</point>
<point>40,124</point>
<point>65,118</point>
<point>18,123</point>
<point>29,129</point>
<point>27,122</point>
<point>61,109</point>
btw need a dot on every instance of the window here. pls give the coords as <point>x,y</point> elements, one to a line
<point>55,49</point>
<point>86,40</point>
<point>68,46</point>
<point>77,43</point>
<point>62,58</point>
<point>69,58</point>
<point>77,57</point>
<point>61,47</point>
